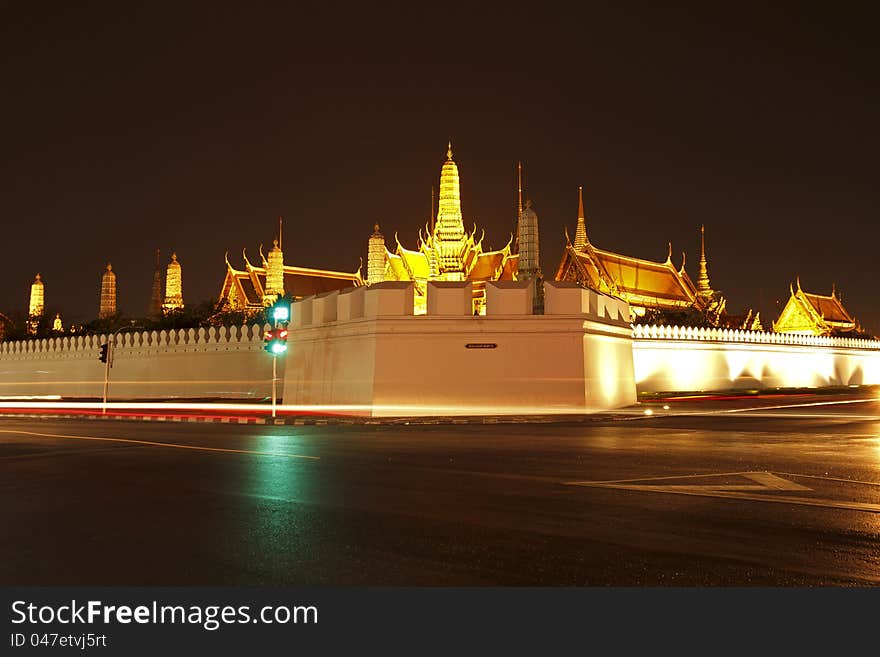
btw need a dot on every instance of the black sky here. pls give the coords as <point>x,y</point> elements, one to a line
<point>129,128</point>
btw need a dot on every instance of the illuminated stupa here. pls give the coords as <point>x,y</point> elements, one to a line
<point>36,305</point>
<point>173,286</point>
<point>108,294</point>
<point>447,252</point>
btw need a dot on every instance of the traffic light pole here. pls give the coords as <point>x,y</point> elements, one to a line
<point>107,373</point>
<point>274,379</point>
<point>111,348</point>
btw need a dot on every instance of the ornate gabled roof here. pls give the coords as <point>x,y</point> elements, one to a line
<point>638,281</point>
<point>511,268</point>
<point>487,267</point>
<point>298,281</point>
<point>645,278</point>
<point>828,308</point>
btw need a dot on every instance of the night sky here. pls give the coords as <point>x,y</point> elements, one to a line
<point>128,128</point>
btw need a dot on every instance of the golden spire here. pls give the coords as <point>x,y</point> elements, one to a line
<point>703,286</point>
<point>173,285</point>
<point>107,307</point>
<point>279,232</point>
<point>580,235</point>
<point>36,305</point>
<point>519,190</point>
<point>274,275</point>
<point>449,234</point>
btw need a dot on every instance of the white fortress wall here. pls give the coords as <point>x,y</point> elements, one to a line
<point>377,355</point>
<point>678,359</point>
<point>224,362</point>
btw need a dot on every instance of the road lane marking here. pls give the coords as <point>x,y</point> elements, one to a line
<point>158,444</point>
<point>766,481</point>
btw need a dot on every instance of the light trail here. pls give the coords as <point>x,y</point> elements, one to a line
<point>152,443</point>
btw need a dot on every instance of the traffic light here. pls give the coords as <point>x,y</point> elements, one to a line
<point>281,312</point>
<point>275,341</point>
<point>103,356</point>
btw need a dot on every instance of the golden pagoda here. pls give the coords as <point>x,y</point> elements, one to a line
<point>447,252</point>
<point>173,286</point>
<point>815,314</point>
<point>108,294</point>
<point>36,305</point>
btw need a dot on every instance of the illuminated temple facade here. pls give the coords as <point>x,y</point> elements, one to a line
<point>644,284</point>
<point>254,287</point>
<point>446,250</point>
<point>815,314</point>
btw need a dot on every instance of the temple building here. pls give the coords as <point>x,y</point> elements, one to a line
<point>173,286</point>
<point>36,306</point>
<point>255,287</point>
<point>644,284</point>
<point>815,314</point>
<point>446,251</point>
<point>108,294</point>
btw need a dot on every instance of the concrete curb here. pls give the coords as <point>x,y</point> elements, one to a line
<point>328,421</point>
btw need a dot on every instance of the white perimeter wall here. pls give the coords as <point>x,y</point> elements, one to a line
<point>728,360</point>
<point>374,354</point>
<point>189,363</point>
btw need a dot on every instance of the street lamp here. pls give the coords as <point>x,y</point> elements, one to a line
<point>107,351</point>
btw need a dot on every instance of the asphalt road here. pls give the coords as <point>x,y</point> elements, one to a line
<point>785,497</point>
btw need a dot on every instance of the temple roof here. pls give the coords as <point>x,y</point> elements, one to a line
<point>636,279</point>
<point>829,308</point>
<point>298,281</point>
<point>487,266</point>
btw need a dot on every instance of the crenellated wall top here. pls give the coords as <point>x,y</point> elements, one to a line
<point>74,345</point>
<point>654,332</point>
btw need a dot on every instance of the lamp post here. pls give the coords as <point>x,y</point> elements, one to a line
<point>108,363</point>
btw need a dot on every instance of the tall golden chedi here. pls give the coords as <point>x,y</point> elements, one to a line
<point>108,294</point>
<point>274,275</point>
<point>449,235</point>
<point>447,253</point>
<point>173,286</point>
<point>376,257</point>
<point>36,306</point>
<point>703,285</point>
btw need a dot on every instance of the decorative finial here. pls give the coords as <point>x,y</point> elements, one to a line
<point>109,267</point>
<point>376,227</point>
<point>449,151</point>
<point>274,244</point>
<point>519,204</point>
<point>173,257</point>
<point>580,202</point>
<point>37,279</point>
<point>528,203</point>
